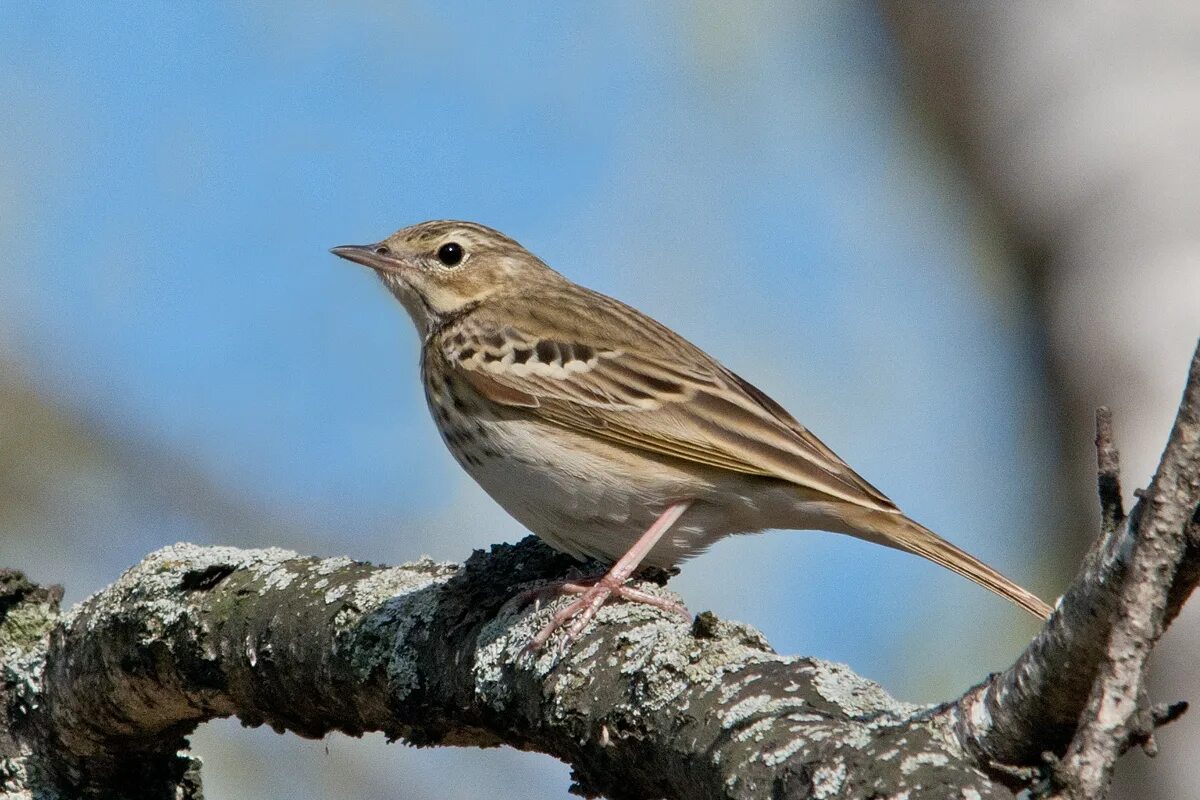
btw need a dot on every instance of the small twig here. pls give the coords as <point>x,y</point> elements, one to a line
<point>1116,716</point>
<point>1108,472</point>
<point>1164,713</point>
<point>1103,627</point>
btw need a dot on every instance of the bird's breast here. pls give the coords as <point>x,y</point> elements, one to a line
<point>581,495</point>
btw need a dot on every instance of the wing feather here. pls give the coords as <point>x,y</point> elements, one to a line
<point>606,370</point>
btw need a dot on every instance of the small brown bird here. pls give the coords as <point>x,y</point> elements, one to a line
<point>609,435</point>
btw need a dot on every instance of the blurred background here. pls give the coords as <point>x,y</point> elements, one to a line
<point>939,233</point>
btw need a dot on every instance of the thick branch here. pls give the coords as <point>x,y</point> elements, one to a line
<point>642,706</point>
<point>97,702</point>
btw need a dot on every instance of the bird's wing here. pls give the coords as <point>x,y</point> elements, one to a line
<point>597,366</point>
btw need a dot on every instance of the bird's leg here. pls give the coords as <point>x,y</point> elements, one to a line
<point>592,595</point>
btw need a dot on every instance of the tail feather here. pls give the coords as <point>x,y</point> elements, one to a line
<point>900,532</point>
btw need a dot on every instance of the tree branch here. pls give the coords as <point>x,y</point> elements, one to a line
<point>97,701</point>
<point>1088,662</point>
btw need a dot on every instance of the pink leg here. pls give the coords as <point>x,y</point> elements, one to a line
<point>592,597</point>
<point>563,586</point>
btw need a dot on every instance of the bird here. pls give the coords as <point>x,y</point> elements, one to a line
<point>610,436</point>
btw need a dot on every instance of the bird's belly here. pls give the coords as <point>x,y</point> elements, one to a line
<point>588,498</point>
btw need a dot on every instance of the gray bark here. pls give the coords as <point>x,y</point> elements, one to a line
<point>97,701</point>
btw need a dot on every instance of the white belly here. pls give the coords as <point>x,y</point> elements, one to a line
<point>593,500</point>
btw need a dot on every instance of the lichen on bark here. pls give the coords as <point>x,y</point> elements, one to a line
<point>98,701</point>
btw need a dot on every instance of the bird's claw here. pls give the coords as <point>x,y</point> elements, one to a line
<point>592,596</point>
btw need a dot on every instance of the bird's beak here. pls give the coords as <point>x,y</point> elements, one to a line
<point>369,256</point>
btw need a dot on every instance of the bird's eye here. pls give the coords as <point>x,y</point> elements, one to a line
<point>451,254</point>
<point>382,250</point>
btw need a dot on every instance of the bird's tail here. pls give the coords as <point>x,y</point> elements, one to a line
<point>898,531</point>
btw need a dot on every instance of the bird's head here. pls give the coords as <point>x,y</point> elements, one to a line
<point>440,268</point>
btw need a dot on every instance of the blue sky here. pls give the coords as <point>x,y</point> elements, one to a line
<point>754,177</point>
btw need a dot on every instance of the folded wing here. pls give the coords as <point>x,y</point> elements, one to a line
<point>603,369</point>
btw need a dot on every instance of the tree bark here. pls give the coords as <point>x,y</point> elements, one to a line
<point>97,702</point>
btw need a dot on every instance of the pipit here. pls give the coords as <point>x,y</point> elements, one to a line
<point>609,435</point>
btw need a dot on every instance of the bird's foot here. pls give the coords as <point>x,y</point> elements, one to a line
<point>594,593</point>
<point>553,589</point>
